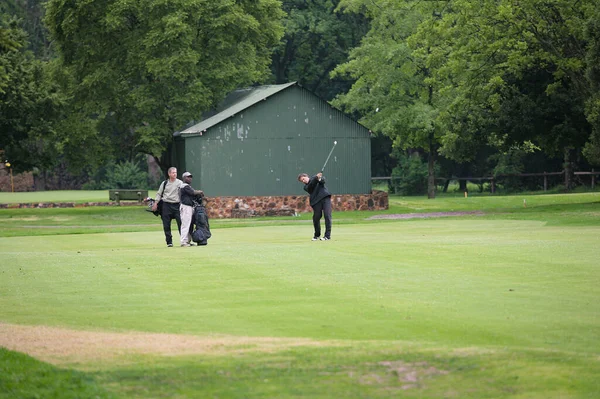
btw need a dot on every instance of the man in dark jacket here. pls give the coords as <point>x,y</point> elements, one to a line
<point>186,209</point>
<point>320,201</point>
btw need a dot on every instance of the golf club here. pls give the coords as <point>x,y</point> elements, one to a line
<point>327,160</point>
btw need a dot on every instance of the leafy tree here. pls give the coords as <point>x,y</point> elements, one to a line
<point>10,41</point>
<point>455,77</point>
<point>516,72</point>
<point>145,69</point>
<point>29,104</point>
<point>43,128</point>
<point>316,40</point>
<point>29,13</point>
<point>592,36</point>
<point>394,90</point>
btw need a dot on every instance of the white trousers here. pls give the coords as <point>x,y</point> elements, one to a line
<point>185,212</point>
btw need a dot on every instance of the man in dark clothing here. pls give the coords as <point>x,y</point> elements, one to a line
<point>320,201</point>
<point>186,209</point>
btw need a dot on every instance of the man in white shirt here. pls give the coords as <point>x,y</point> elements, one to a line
<point>169,193</point>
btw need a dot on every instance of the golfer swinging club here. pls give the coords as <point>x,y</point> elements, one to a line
<point>320,201</point>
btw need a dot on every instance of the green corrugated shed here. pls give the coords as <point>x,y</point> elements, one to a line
<point>259,140</point>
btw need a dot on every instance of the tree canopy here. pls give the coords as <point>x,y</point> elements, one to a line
<point>452,77</point>
<point>316,40</point>
<point>29,103</point>
<point>148,68</point>
<point>394,90</point>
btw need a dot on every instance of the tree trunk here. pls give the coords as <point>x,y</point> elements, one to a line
<point>431,170</point>
<point>568,169</point>
<point>166,159</point>
<point>446,184</point>
<point>39,182</point>
<point>164,164</point>
<point>431,162</point>
<point>154,170</point>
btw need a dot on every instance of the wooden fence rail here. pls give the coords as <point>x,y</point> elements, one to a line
<point>493,179</point>
<point>593,174</point>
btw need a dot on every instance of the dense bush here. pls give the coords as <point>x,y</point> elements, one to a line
<point>409,177</point>
<point>509,164</point>
<point>126,175</point>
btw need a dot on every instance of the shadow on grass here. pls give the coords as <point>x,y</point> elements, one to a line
<point>22,376</point>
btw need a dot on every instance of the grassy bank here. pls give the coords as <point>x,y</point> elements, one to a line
<point>77,196</point>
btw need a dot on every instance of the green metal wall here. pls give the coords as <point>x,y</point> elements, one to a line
<point>261,151</point>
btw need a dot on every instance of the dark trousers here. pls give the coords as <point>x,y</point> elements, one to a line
<point>321,208</point>
<point>169,212</point>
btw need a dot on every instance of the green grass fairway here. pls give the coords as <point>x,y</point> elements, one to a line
<point>56,196</point>
<point>504,305</point>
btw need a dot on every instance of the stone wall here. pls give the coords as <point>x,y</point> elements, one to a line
<point>244,207</point>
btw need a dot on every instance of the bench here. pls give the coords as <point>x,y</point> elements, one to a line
<point>121,195</point>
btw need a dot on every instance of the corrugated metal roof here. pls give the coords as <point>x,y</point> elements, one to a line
<point>234,103</point>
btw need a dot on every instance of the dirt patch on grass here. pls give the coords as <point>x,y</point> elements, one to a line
<point>412,375</point>
<point>426,215</point>
<point>25,219</point>
<point>398,374</point>
<point>61,345</point>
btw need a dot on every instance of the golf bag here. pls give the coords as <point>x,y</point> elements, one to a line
<point>201,233</point>
<point>150,202</point>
